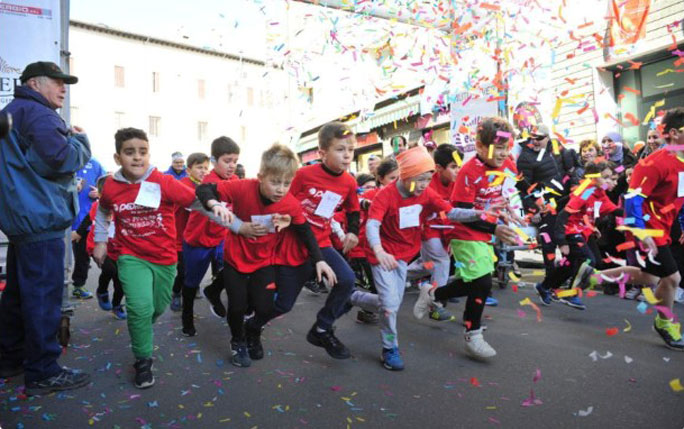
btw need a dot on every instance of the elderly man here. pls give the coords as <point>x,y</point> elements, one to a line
<point>40,157</point>
<point>373,162</point>
<point>177,169</point>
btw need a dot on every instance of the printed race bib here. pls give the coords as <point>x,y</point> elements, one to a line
<point>265,220</point>
<point>680,185</point>
<point>329,201</point>
<point>409,216</point>
<point>149,195</point>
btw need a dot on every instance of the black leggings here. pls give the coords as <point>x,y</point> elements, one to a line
<point>254,290</point>
<point>110,272</point>
<point>180,274</point>
<point>579,252</point>
<point>476,291</point>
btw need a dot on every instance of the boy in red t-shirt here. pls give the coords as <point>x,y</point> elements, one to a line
<point>142,201</point>
<point>655,197</point>
<point>197,169</point>
<point>574,226</point>
<point>480,184</point>
<point>249,273</point>
<point>434,260</point>
<point>394,228</point>
<point>203,239</point>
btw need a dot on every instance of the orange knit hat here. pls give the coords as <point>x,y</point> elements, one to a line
<point>414,162</point>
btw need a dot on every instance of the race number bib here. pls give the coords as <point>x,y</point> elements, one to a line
<point>409,216</point>
<point>265,220</point>
<point>329,201</point>
<point>149,195</point>
<point>680,185</point>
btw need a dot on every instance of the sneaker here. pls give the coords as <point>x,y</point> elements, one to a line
<point>670,332</point>
<point>188,322</point>
<point>66,379</point>
<point>583,279</point>
<point>80,292</point>
<point>476,346</point>
<point>329,342</point>
<point>143,373</point>
<point>176,304</point>
<point>254,346</point>
<point>679,295</point>
<point>633,293</point>
<point>426,298</point>
<point>574,302</point>
<point>367,317</point>
<point>441,314</point>
<point>215,305</point>
<point>391,359</point>
<point>189,331</point>
<point>314,287</point>
<point>491,301</point>
<point>120,312</point>
<point>544,295</point>
<point>240,355</point>
<point>103,301</point>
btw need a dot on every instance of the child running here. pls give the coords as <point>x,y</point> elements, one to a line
<point>249,274</point>
<point>655,197</point>
<point>395,223</point>
<point>478,185</point>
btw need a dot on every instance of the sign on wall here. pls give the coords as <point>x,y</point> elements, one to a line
<point>29,32</point>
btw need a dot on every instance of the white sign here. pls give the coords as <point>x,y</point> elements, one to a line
<point>473,108</point>
<point>29,32</point>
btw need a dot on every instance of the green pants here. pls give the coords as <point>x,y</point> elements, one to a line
<point>474,259</point>
<point>147,287</point>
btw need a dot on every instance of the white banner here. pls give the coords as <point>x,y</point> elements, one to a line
<point>467,111</point>
<point>29,32</point>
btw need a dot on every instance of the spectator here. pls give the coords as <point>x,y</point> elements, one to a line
<point>240,171</point>
<point>373,162</point>
<point>615,150</point>
<point>430,146</point>
<point>589,151</point>
<point>653,143</point>
<point>399,144</point>
<point>177,169</point>
<point>38,199</point>
<point>87,193</point>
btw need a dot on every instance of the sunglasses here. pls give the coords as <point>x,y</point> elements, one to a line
<point>539,138</point>
<point>606,141</point>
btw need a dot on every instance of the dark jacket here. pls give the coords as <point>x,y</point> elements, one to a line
<point>38,162</point>
<point>543,172</point>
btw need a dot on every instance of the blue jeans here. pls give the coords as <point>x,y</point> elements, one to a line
<point>196,262</point>
<point>30,308</point>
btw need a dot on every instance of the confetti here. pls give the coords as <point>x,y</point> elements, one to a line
<point>628,327</point>
<point>611,331</point>
<point>648,294</point>
<point>676,385</point>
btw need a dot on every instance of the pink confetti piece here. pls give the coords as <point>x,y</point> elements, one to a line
<point>667,312</point>
<point>537,375</point>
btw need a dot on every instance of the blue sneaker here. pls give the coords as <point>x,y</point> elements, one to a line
<point>574,302</point>
<point>80,292</point>
<point>491,301</point>
<point>103,300</point>
<point>544,295</point>
<point>176,302</point>
<point>120,312</point>
<point>391,359</point>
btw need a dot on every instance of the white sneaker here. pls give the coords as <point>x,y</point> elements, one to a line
<point>426,298</point>
<point>476,346</point>
<point>679,295</point>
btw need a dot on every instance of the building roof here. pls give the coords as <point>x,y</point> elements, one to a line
<point>161,42</point>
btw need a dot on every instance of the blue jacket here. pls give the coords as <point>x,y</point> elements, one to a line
<point>175,175</point>
<point>89,174</point>
<point>38,162</point>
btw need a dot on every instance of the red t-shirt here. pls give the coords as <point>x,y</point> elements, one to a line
<point>182,214</point>
<point>249,255</point>
<point>474,186</point>
<point>112,248</point>
<point>580,209</point>
<point>313,185</point>
<point>389,207</point>
<point>658,176</point>
<point>445,193</point>
<point>200,231</point>
<point>144,232</point>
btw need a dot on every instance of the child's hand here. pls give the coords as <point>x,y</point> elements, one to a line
<point>387,261</point>
<point>565,249</point>
<point>350,241</point>
<point>75,237</point>
<point>93,193</point>
<point>281,222</point>
<point>252,230</point>
<point>223,213</point>
<point>323,269</point>
<point>100,253</point>
<point>506,234</point>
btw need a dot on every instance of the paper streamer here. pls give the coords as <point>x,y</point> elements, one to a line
<point>676,385</point>
<point>648,294</point>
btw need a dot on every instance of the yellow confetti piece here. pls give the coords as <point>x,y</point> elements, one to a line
<point>554,145</point>
<point>513,276</point>
<point>247,414</point>
<point>676,385</point>
<point>648,294</point>
<point>521,233</point>
<point>457,158</point>
<point>592,175</point>
<point>642,233</point>
<point>585,183</point>
<point>116,332</point>
<point>490,154</point>
<point>413,187</point>
<point>526,301</point>
<point>629,326</point>
<point>224,420</point>
<point>566,293</point>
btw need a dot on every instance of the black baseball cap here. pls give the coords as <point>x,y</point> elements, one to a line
<point>46,68</point>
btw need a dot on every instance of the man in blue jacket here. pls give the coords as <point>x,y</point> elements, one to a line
<point>38,162</point>
<point>177,168</point>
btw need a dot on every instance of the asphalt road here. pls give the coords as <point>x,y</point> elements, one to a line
<point>564,371</point>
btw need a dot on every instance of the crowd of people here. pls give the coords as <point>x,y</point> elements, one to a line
<point>427,214</point>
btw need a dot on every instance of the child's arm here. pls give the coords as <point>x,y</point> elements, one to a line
<point>101,234</point>
<point>307,237</point>
<point>387,261</point>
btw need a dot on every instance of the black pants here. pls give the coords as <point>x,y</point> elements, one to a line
<point>547,225</point>
<point>180,274</point>
<point>110,273</point>
<point>81,262</point>
<point>254,290</point>
<point>579,252</point>
<point>476,290</point>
